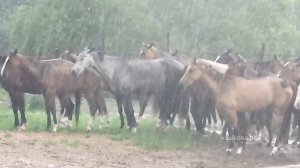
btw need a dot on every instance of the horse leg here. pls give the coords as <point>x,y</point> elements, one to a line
<point>196,114</point>
<point>233,124</point>
<point>269,128</point>
<point>143,104</point>
<point>102,108</point>
<point>120,110</point>
<point>62,115</point>
<point>241,132</point>
<point>53,112</point>
<point>284,129</point>
<point>131,122</point>
<point>48,109</point>
<point>21,104</point>
<point>93,108</point>
<point>14,104</point>
<point>77,108</point>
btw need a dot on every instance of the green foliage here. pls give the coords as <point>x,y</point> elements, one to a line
<point>197,27</point>
<point>147,136</point>
<point>36,103</point>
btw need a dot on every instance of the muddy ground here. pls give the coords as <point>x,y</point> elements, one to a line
<point>70,150</point>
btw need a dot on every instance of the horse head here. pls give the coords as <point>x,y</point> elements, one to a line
<point>192,73</point>
<point>86,59</point>
<point>148,51</point>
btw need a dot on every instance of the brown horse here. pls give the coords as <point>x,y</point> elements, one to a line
<point>149,51</point>
<point>53,78</point>
<point>291,73</point>
<point>16,81</point>
<point>235,94</point>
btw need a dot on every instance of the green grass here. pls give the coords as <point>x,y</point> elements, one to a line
<point>147,136</point>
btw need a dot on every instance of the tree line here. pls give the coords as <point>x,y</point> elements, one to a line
<point>198,28</point>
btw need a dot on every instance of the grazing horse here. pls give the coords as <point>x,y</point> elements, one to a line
<point>235,94</point>
<point>52,78</point>
<point>126,78</point>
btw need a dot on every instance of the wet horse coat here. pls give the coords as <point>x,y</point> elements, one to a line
<point>17,81</point>
<point>233,94</point>
<point>135,77</point>
<point>53,78</point>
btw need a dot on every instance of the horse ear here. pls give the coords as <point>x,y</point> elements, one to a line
<point>194,61</point>
<point>13,52</point>
<point>91,49</point>
<point>101,55</point>
<point>174,53</point>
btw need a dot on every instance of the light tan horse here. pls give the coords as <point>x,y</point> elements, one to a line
<point>236,94</point>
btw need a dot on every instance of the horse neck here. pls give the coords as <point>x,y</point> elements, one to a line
<point>211,81</point>
<point>160,53</point>
<point>107,68</point>
<point>34,67</point>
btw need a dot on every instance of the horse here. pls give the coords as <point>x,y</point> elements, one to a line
<point>101,108</point>
<point>149,51</point>
<point>291,72</point>
<point>251,71</point>
<point>17,82</point>
<point>234,95</point>
<point>128,77</point>
<point>143,99</point>
<point>53,78</point>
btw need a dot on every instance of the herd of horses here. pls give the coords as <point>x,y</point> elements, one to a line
<point>240,93</point>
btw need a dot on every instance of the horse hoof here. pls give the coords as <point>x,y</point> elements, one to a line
<point>88,128</point>
<point>134,130</point>
<point>274,151</point>
<point>54,130</point>
<point>22,128</point>
<point>239,150</point>
<point>229,151</point>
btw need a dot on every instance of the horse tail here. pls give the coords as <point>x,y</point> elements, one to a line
<point>77,103</point>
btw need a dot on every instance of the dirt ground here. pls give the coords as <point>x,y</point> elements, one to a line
<point>70,150</point>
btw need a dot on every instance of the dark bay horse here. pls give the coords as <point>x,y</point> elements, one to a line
<point>236,94</point>
<point>201,106</point>
<point>52,78</point>
<point>17,81</point>
<point>126,78</point>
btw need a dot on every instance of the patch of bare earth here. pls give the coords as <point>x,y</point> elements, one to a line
<point>71,150</point>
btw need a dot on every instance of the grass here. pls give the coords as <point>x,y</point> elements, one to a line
<point>147,136</point>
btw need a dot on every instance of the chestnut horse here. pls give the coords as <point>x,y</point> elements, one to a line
<point>53,78</point>
<point>235,94</point>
